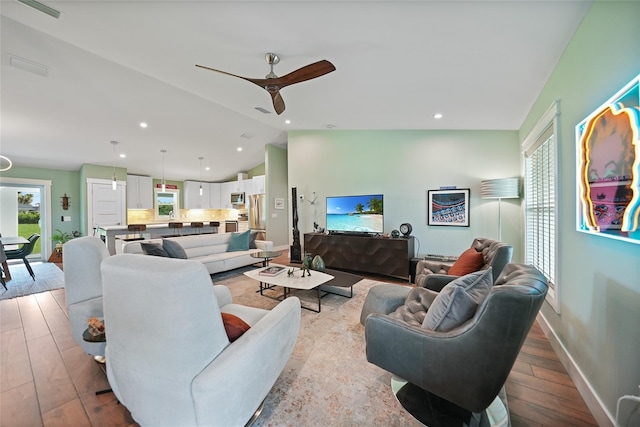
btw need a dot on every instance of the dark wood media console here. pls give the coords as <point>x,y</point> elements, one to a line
<point>378,255</point>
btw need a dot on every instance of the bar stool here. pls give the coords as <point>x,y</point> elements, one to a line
<point>197,226</point>
<point>214,226</point>
<point>176,228</point>
<point>135,229</point>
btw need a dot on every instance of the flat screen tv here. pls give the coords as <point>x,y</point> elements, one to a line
<point>355,214</point>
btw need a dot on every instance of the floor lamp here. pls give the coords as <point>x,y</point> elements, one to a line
<point>501,188</point>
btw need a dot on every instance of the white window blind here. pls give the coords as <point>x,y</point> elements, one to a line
<point>540,206</point>
<point>540,200</point>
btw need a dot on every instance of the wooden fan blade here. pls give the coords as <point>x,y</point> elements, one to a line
<point>308,72</point>
<point>258,82</point>
<point>278,102</point>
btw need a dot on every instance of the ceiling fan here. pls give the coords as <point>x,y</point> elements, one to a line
<point>272,83</point>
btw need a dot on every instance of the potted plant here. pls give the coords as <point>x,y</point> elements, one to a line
<point>60,237</point>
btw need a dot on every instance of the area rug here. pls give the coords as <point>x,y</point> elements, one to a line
<point>223,275</point>
<point>48,277</point>
<point>327,380</point>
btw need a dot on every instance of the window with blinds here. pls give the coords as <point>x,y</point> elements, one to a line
<point>540,201</point>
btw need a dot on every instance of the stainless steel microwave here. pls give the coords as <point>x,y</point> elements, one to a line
<point>237,198</point>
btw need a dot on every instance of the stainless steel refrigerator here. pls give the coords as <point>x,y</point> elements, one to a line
<point>258,215</point>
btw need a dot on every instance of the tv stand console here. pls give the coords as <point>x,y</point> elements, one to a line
<point>368,254</point>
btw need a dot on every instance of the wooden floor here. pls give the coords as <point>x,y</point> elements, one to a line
<point>47,380</point>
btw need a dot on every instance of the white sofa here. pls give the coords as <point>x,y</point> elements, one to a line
<point>209,249</point>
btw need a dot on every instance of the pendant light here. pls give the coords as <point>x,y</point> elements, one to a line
<point>164,184</point>
<point>114,181</point>
<point>200,158</point>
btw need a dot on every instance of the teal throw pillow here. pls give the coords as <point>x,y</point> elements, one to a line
<point>153,249</point>
<point>239,242</point>
<point>174,249</point>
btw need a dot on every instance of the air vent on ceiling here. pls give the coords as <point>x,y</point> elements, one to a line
<point>42,8</point>
<point>262,110</point>
<point>30,66</point>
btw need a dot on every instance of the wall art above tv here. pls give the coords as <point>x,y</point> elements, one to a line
<point>608,167</point>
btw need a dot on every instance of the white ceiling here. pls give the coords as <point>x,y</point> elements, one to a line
<point>114,64</point>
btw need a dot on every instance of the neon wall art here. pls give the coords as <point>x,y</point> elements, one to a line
<point>608,156</point>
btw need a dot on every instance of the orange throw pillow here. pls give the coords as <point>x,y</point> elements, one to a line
<point>234,326</point>
<point>469,262</point>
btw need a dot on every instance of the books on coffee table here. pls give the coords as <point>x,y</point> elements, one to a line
<point>274,270</point>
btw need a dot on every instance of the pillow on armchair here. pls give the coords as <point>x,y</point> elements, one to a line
<point>470,261</point>
<point>458,301</point>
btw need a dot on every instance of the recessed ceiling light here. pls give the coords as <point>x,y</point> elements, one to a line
<point>437,116</point>
<point>122,156</point>
<point>207,168</point>
<point>287,121</point>
<point>143,125</point>
<point>239,148</point>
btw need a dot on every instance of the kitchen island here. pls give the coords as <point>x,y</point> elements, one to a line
<point>112,233</point>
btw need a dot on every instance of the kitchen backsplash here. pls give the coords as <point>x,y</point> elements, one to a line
<point>146,216</point>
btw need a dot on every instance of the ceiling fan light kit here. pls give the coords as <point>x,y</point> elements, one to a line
<point>272,83</point>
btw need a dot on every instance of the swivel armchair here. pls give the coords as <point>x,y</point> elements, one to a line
<point>468,364</point>
<point>81,259</point>
<point>435,275</point>
<point>169,359</point>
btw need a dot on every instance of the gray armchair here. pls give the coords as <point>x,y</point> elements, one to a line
<point>81,259</point>
<point>433,275</point>
<point>169,360</point>
<point>469,364</point>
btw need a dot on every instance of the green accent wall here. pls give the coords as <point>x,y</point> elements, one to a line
<point>599,278</point>
<point>258,170</point>
<point>61,182</point>
<point>403,165</point>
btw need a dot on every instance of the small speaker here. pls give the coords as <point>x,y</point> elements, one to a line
<point>406,229</point>
<point>395,233</point>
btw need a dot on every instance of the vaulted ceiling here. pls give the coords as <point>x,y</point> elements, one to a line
<point>110,65</point>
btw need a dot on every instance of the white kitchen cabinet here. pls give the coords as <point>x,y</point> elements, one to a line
<point>214,195</point>
<point>139,192</point>
<point>248,187</point>
<point>226,188</point>
<point>237,186</point>
<point>192,197</point>
<point>259,184</point>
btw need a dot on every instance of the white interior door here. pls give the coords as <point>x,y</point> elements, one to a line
<point>106,205</point>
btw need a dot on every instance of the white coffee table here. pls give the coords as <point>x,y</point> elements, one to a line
<point>296,281</point>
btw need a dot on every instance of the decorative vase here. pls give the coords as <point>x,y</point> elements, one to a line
<point>317,263</point>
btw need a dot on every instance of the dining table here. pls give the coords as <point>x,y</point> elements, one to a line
<point>10,241</point>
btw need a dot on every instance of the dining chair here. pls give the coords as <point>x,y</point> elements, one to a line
<point>3,260</point>
<point>24,252</point>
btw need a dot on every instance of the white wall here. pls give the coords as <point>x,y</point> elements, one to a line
<point>599,278</point>
<point>403,165</point>
<point>8,209</point>
<point>276,176</point>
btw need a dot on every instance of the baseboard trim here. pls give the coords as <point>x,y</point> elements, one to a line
<point>591,399</point>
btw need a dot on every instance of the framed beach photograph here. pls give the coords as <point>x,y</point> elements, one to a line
<point>448,207</point>
<point>279,203</point>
